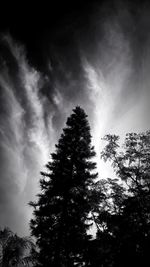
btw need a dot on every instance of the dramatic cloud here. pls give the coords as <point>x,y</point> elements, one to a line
<point>117,74</point>
<point>33,111</point>
<point>24,139</point>
<point>102,66</point>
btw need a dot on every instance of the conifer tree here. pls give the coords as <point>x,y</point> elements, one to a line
<point>62,214</point>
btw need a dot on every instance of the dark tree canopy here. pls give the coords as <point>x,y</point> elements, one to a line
<point>71,200</point>
<point>15,250</point>
<point>62,214</point>
<point>123,238</point>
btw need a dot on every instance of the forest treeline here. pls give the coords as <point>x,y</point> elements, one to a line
<point>73,201</point>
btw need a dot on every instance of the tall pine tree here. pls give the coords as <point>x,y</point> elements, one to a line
<point>62,214</point>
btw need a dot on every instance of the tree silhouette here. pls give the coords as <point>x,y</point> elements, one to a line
<point>15,250</point>
<point>126,214</point>
<point>62,214</point>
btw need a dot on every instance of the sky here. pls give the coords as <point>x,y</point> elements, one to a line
<point>95,54</point>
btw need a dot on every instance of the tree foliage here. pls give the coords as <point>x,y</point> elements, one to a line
<point>71,201</point>
<point>15,250</point>
<point>62,213</point>
<point>124,217</point>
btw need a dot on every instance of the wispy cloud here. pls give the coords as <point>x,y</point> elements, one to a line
<point>24,136</point>
<point>118,88</point>
<point>107,73</point>
<point>33,112</point>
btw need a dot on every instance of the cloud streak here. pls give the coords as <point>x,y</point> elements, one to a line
<point>24,137</point>
<point>117,76</point>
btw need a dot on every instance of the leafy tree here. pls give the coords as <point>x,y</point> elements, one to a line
<point>104,248</point>
<point>127,214</point>
<point>62,214</point>
<point>15,250</point>
<point>132,163</point>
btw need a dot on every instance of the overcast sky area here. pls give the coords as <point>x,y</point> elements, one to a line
<point>96,55</point>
